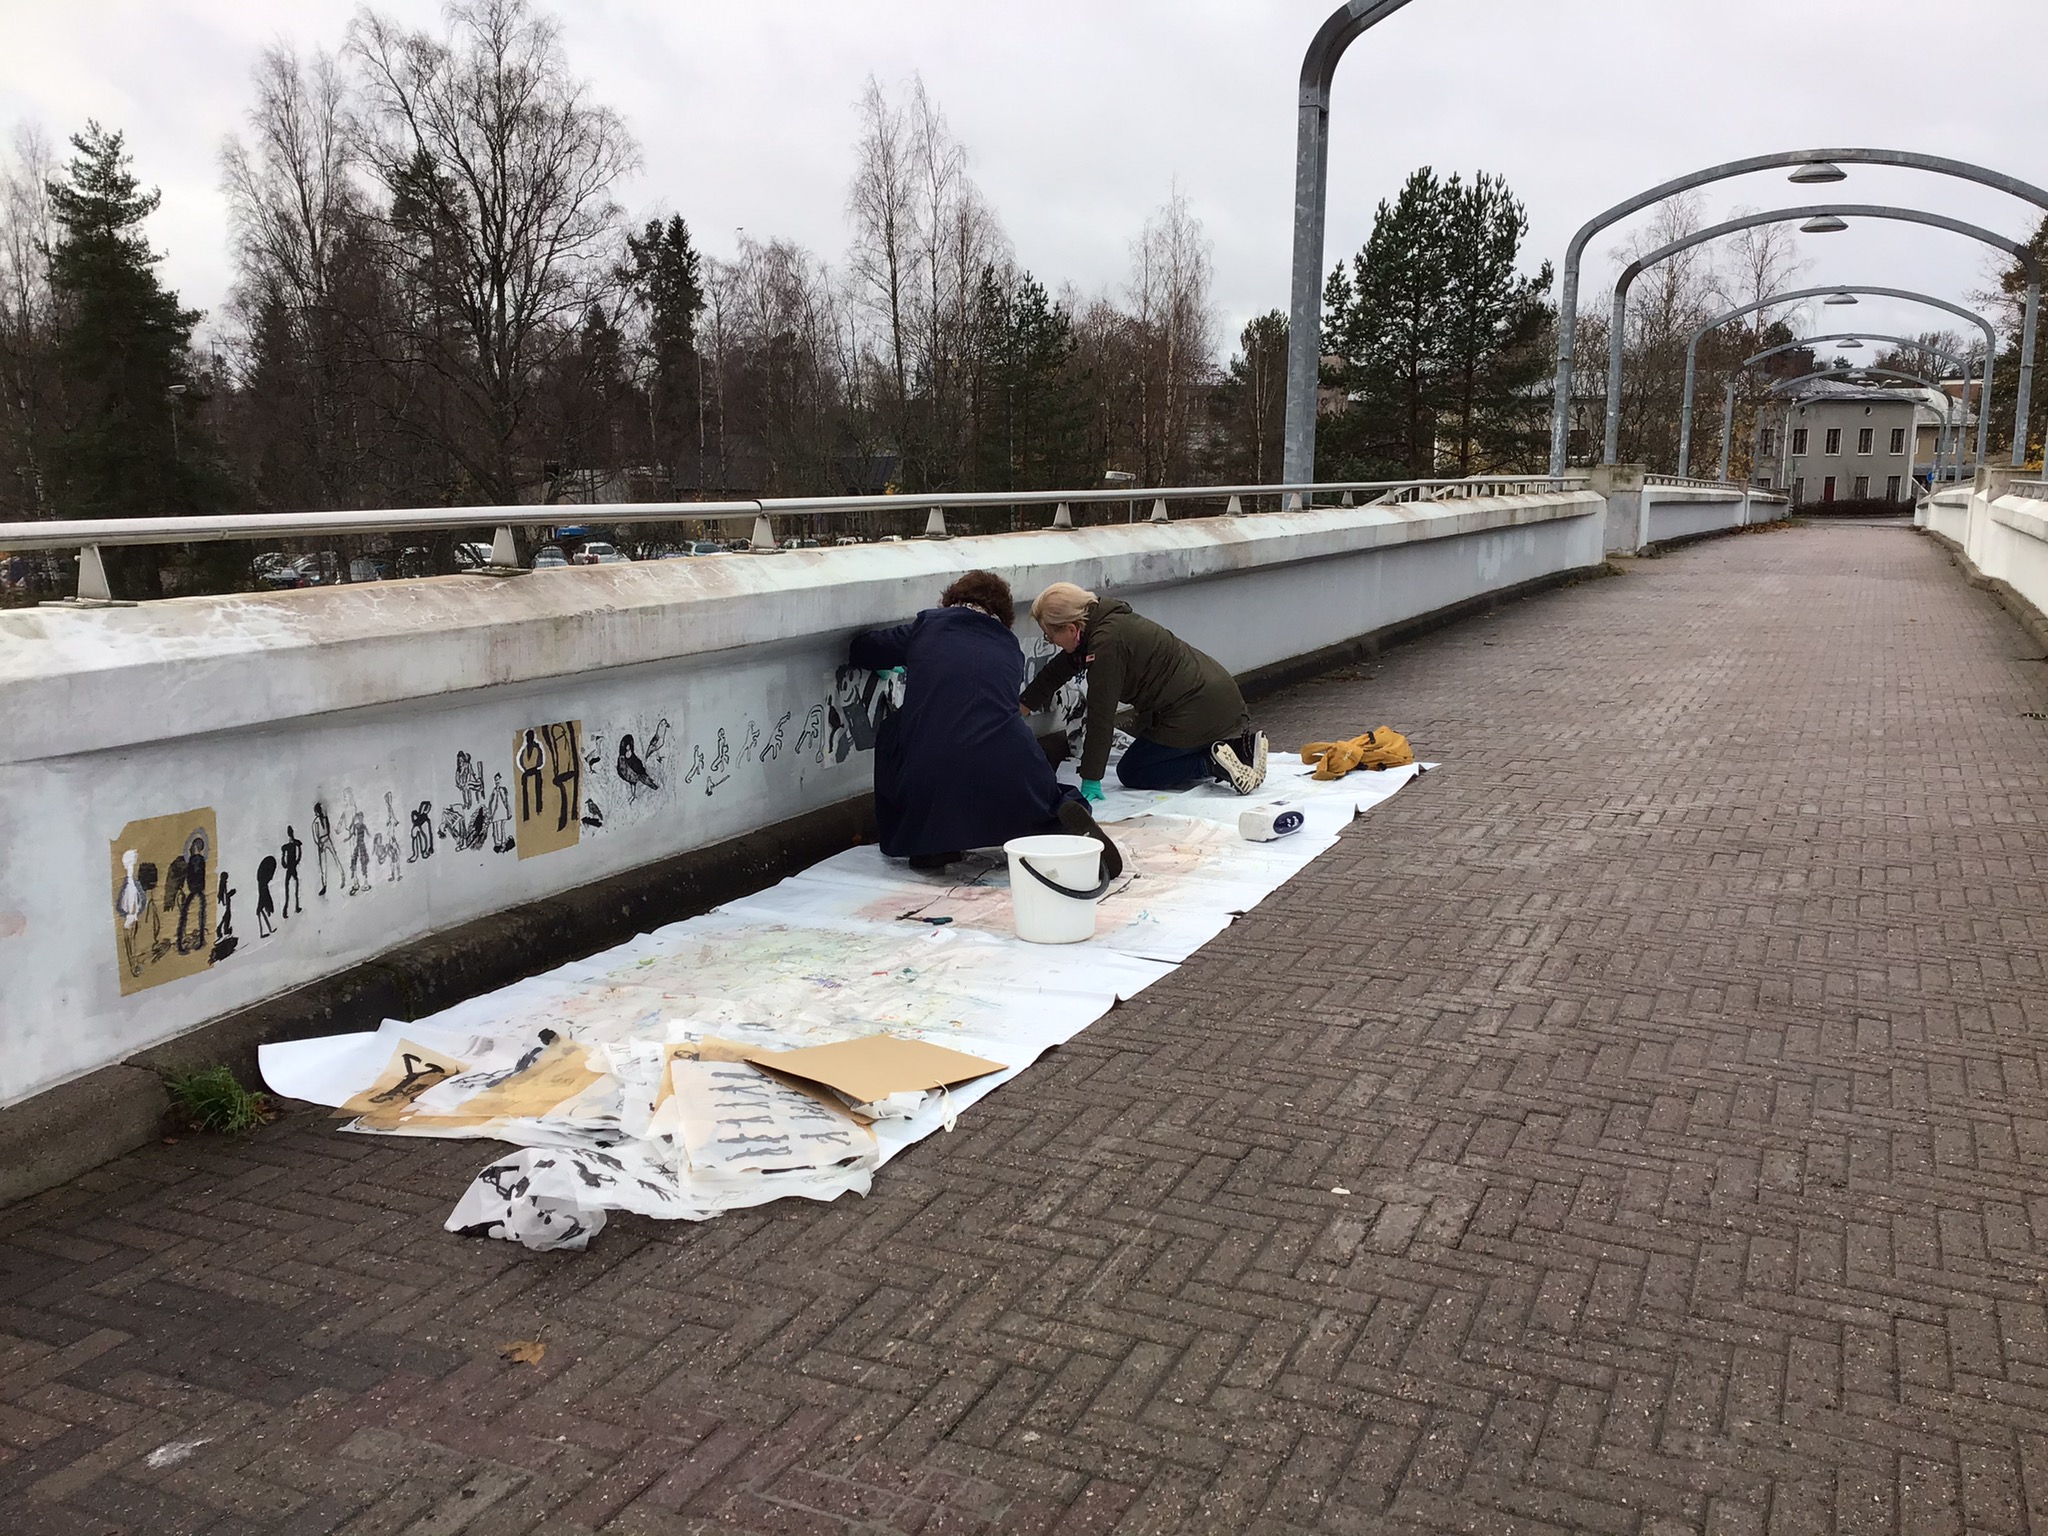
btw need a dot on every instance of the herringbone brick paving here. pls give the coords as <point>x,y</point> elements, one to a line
<point>1679,1045</point>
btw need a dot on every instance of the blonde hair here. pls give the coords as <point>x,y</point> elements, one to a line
<point>1061,603</point>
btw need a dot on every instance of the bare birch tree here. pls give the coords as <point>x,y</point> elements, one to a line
<point>27,232</point>
<point>499,170</point>
<point>1171,274</point>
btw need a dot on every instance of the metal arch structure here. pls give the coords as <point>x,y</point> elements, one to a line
<point>1311,197</point>
<point>1792,296</point>
<point>1611,445</point>
<point>1575,253</point>
<point>1889,373</point>
<point>1942,353</point>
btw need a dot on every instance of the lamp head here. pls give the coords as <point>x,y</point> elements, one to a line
<point>1841,298</point>
<point>1814,172</point>
<point>1822,224</point>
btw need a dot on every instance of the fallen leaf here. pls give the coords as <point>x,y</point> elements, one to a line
<point>1339,1189</point>
<point>523,1351</point>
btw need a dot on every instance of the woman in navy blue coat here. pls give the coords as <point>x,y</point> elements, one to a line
<point>957,766</point>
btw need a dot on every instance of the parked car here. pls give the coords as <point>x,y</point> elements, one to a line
<point>597,553</point>
<point>549,557</point>
<point>891,538</point>
<point>803,544</point>
<point>369,568</point>
<point>707,547</point>
<point>468,557</point>
<point>274,570</point>
<point>847,538</point>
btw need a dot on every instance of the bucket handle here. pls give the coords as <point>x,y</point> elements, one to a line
<point>1053,885</point>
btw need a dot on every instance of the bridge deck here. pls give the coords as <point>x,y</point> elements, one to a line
<point>1680,1047</point>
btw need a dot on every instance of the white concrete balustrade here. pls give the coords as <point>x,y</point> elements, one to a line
<point>1999,525</point>
<point>210,801</point>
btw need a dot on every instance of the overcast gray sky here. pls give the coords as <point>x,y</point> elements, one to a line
<point>1082,114</point>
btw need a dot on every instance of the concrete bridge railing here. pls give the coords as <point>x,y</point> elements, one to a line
<point>1999,525</point>
<point>214,801</point>
<point>1646,509</point>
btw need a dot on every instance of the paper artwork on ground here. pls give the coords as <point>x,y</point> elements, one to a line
<point>720,1062</point>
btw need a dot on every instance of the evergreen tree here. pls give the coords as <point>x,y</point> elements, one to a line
<point>1029,428</point>
<point>130,445</point>
<point>1251,403</point>
<point>1439,337</point>
<point>664,274</point>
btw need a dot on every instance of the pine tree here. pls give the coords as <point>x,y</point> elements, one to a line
<point>130,445</point>
<point>663,272</point>
<point>1439,336</point>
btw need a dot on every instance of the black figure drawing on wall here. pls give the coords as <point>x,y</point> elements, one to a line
<point>753,740</point>
<point>723,755</point>
<point>468,824</point>
<point>593,814</point>
<point>813,732</point>
<point>422,832</point>
<point>189,890</point>
<point>696,766</point>
<point>501,815</point>
<point>388,849</point>
<point>774,748</point>
<point>288,856</point>
<point>531,796</point>
<point>632,771</point>
<point>568,775</point>
<point>266,907</point>
<point>323,847</point>
<point>224,937</point>
<point>357,833</point>
<point>137,906</point>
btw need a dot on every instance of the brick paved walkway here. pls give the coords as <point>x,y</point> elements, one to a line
<point>1679,1045</point>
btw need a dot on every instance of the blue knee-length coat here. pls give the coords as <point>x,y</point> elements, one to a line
<point>957,766</point>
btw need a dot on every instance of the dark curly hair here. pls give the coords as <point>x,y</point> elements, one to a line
<point>987,591</point>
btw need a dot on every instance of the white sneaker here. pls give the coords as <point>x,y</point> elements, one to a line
<point>1243,760</point>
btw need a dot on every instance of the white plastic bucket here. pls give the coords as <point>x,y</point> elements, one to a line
<point>1044,915</point>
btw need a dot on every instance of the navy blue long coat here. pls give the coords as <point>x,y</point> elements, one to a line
<point>957,766</point>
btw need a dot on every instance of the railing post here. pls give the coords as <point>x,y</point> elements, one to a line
<point>935,525</point>
<point>763,541</point>
<point>1347,500</point>
<point>1292,503</point>
<point>1063,516</point>
<point>92,577</point>
<point>1236,507</point>
<point>1159,510</point>
<point>504,551</point>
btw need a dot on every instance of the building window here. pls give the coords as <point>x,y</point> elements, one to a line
<point>1834,441</point>
<point>1898,440</point>
<point>1799,490</point>
<point>1827,486</point>
<point>1863,440</point>
<point>1891,487</point>
<point>1862,491</point>
<point>1765,441</point>
<point>1799,439</point>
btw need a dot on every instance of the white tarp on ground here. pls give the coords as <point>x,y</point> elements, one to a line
<point>620,1077</point>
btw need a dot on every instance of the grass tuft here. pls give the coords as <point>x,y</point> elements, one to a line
<point>211,1099</point>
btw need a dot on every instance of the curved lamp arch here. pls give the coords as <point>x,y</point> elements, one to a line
<point>1889,373</point>
<point>1961,362</point>
<point>1568,286</point>
<point>1611,445</point>
<point>1791,295</point>
<point>1311,196</point>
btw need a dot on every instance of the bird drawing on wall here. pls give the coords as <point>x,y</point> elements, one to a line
<point>631,770</point>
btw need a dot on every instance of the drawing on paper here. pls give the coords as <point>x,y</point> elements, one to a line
<point>861,701</point>
<point>549,759</point>
<point>163,898</point>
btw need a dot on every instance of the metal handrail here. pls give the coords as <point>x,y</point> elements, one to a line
<point>90,535</point>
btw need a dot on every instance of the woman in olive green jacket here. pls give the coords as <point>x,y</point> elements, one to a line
<point>1190,721</point>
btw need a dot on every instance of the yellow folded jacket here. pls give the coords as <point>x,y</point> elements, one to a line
<point>1376,749</point>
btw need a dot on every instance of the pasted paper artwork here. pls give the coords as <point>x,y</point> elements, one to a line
<point>548,760</point>
<point>163,897</point>
<point>713,1064</point>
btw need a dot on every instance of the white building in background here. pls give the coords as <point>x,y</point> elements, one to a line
<point>1856,442</point>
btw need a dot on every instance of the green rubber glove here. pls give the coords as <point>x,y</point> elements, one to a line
<point>1091,789</point>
